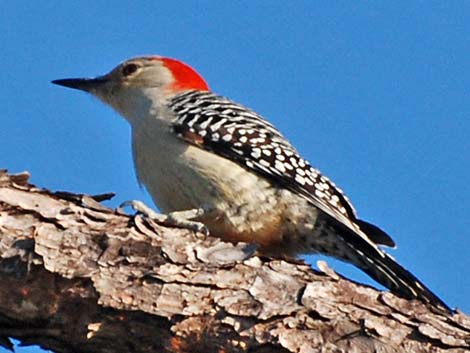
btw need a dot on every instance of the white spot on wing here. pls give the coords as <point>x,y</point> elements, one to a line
<point>279,166</point>
<point>300,179</point>
<point>264,162</point>
<point>256,153</point>
<point>205,123</point>
<point>288,166</point>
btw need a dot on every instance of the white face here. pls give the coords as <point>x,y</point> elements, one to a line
<point>134,87</point>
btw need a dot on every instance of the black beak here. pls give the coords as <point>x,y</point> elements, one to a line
<point>83,84</point>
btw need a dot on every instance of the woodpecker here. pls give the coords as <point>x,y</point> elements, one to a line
<point>198,151</point>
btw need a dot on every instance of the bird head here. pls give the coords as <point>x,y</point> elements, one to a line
<point>140,84</point>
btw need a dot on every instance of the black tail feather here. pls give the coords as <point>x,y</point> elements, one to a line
<point>376,234</point>
<point>385,270</point>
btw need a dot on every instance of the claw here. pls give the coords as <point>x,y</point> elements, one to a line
<point>181,219</point>
<point>141,207</point>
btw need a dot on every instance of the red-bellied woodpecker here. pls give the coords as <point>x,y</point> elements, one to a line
<point>195,150</point>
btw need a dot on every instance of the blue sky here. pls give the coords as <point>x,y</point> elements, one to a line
<point>374,94</point>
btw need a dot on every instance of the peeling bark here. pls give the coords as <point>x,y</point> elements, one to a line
<point>77,276</point>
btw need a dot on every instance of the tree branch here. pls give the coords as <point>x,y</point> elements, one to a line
<point>80,277</point>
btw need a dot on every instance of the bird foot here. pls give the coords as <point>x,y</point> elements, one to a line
<point>181,219</point>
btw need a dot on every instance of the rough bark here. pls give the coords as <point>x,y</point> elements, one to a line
<point>76,276</point>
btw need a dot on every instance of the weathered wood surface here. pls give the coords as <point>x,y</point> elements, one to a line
<point>76,276</point>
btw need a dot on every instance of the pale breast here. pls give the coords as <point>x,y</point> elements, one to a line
<point>246,207</point>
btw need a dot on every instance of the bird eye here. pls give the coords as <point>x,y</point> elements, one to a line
<point>129,69</point>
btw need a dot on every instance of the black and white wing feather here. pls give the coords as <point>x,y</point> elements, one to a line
<point>231,130</point>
